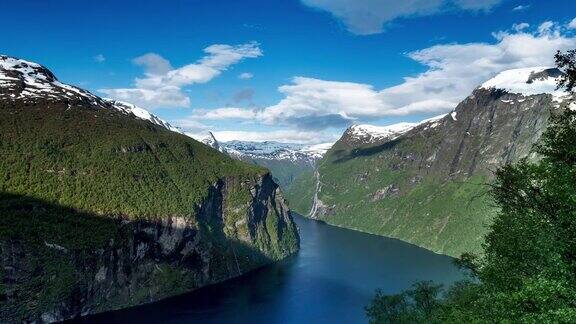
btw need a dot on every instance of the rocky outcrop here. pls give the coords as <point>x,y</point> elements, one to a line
<point>241,225</point>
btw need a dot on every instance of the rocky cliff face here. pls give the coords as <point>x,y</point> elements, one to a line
<point>142,261</point>
<point>426,183</point>
<point>105,206</point>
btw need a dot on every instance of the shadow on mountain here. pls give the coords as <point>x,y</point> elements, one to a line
<point>345,155</point>
<point>60,262</point>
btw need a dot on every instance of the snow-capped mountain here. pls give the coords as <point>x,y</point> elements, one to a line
<point>528,82</point>
<point>30,82</point>
<point>270,150</point>
<point>364,133</point>
<point>285,160</point>
<point>523,82</point>
<point>141,113</point>
<point>211,141</point>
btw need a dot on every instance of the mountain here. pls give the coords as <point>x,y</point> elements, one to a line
<point>212,142</point>
<point>105,206</point>
<point>286,161</point>
<point>426,183</point>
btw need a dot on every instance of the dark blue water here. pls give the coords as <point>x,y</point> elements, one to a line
<point>330,281</point>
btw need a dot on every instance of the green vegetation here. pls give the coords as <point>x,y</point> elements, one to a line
<point>46,233</point>
<point>527,272</point>
<point>105,162</point>
<point>300,193</point>
<point>409,208</point>
<point>284,172</point>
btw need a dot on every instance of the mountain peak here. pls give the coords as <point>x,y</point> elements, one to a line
<point>371,133</point>
<point>21,80</point>
<point>527,81</point>
<point>24,80</point>
<point>9,65</point>
<point>367,134</point>
<point>211,141</point>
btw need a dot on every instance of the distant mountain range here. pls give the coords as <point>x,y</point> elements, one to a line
<point>286,161</point>
<point>426,182</point>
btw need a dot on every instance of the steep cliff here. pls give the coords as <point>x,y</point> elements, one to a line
<point>104,206</point>
<point>427,183</point>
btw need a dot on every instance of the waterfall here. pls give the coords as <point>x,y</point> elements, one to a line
<point>315,200</point>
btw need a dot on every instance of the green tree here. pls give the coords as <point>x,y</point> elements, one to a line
<point>417,305</point>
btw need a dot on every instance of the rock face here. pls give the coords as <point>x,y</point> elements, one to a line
<point>426,183</point>
<point>104,206</point>
<point>143,261</point>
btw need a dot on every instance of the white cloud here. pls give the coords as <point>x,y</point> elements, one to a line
<point>545,27</point>
<point>162,84</point>
<point>245,76</point>
<point>521,8</point>
<point>150,98</point>
<point>193,126</point>
<point>153,63</point>
<point>520,27</point>
<point>453,71</point>
<point>283,136</point>
<point>224,113</point>
<point>99,58</point>
<point>572,24</point>
<point>366,17</point>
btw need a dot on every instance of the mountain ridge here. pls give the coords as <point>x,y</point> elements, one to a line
<point>29,81</point>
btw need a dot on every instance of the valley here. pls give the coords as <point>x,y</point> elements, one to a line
<point>305,161</point>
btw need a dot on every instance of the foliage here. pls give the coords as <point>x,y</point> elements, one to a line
<point>301,192</point>
<point>416,305</point>
<point>102,161</point>
<point>567,63</point>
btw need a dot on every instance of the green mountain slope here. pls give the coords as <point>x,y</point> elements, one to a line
<point>283,171</point>
<point>427,184</point>
<point>102,210</point>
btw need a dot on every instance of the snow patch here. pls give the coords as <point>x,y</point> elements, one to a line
<point>370,133</point>
<point>528,82</point>
<point>23,80</point>
<point>270,150</point>
<point>140,113</point>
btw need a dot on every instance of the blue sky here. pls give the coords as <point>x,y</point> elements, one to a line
<point>310,68</point>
